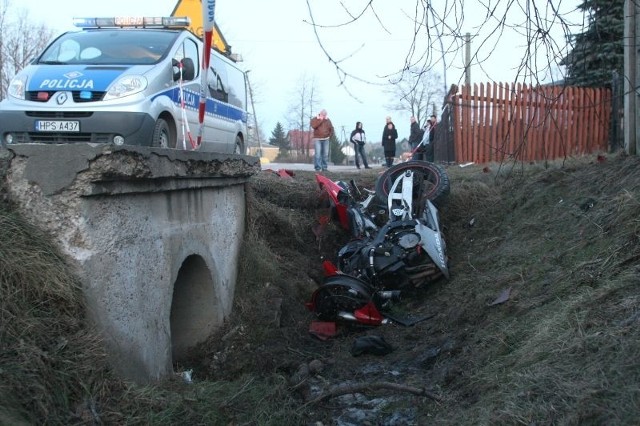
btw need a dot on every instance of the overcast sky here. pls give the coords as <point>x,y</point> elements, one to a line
<point>280,48</point>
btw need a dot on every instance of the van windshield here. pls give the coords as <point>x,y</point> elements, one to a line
<point>110,47</point>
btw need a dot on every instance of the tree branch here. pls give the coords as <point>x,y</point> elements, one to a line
<point>344,389</point>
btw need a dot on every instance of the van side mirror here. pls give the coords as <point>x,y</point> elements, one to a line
<point>188,69</point>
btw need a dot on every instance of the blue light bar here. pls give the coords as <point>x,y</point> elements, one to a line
<point>133,21</point>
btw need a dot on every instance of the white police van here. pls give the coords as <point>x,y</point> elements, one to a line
<point>132,81</point>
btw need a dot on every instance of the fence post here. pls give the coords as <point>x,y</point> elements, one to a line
<point>616,136</point>
<point>631,119</point>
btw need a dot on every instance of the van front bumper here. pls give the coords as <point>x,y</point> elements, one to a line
<point>97,127</point>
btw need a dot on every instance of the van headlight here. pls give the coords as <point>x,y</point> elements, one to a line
<point>126,86</point>
<point>17,87</point>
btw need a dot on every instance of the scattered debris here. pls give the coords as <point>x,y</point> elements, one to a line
<point>588,204</point>
<point>323,330</point>
<point>408,320</point>
<point>283,173</point>
<point>375,345</point>
<point>186,376</point>
<point>504,296</point>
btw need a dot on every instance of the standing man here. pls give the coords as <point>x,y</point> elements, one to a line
<point>322,131</point>
<point>415,137</point>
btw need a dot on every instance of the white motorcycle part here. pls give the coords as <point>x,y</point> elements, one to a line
<point>431,238</point>
<point>400,202</point>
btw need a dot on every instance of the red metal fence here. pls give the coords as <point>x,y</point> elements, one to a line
<point>499,121</point>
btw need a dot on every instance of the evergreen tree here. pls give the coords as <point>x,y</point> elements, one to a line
<point>598,51</point>
<point>335,152</point>
<point>279,139</point>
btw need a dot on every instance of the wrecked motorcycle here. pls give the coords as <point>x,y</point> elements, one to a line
<point>406,251</point>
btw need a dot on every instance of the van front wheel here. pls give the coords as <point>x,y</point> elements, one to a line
<point>163,137</point>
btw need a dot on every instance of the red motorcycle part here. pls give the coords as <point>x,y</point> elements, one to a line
<point>329,268</point>
<point>368,314</point>
<point>323,329</point>
<point>332,190</point>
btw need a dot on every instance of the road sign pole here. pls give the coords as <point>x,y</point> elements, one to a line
<point>208,19</point>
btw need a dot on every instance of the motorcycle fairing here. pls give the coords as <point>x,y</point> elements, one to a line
<point>434,246</point>
<point>332,189</point>
<point>368,314</point>
<point>400,199</point>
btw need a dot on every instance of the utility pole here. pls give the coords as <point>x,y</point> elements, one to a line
<point>632,77</point>
<point>444,60</point>
<point>255,118</point>
<point>467,59</point>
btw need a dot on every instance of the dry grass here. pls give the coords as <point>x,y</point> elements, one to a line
<point>564,349</point>
<point>48,358</point>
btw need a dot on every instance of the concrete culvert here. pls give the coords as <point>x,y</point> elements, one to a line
<point>193,307</point>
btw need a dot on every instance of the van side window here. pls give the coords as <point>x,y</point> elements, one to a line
<point>188,50</point>
<point>217,80</point>
<point>237,88</point>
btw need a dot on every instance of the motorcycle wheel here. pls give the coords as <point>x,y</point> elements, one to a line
<point>430,182</point>
<point>340,293</point>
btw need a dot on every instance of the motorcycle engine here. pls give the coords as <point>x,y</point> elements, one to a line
<point>409,240</point>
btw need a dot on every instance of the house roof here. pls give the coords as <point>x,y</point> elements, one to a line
<point>193,10</point>
<point>299,138</point>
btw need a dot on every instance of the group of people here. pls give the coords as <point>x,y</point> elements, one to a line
<point>420,140</point>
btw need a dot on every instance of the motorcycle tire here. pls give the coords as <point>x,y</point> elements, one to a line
<point>340,293</point>
<point>432,179</point>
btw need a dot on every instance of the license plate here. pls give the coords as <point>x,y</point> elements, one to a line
<point>57,126</point>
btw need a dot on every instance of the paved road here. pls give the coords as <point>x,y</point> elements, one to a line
<point>309,167</point>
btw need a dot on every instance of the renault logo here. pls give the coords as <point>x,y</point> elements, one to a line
<point>61,98</point>
<point>73,74</point>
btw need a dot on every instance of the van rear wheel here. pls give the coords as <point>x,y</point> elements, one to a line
<point>163,136</point>
<point>239,148</point>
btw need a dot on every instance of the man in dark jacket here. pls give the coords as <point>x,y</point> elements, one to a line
<point>415,137</point>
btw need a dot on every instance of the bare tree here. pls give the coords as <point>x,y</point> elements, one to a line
<point>20,42</point>
<point>4,6</point>
<point>416,92</point>
<point>305,102</point>
<point>439,31</point>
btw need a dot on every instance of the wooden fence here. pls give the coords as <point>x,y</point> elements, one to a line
<point>498,122</point>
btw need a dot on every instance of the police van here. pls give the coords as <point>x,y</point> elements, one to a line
<point>134,81</point>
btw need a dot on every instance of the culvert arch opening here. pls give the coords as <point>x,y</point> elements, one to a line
<point>194,307</point>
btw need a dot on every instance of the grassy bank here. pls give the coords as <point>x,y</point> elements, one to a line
<point>561,240</point>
